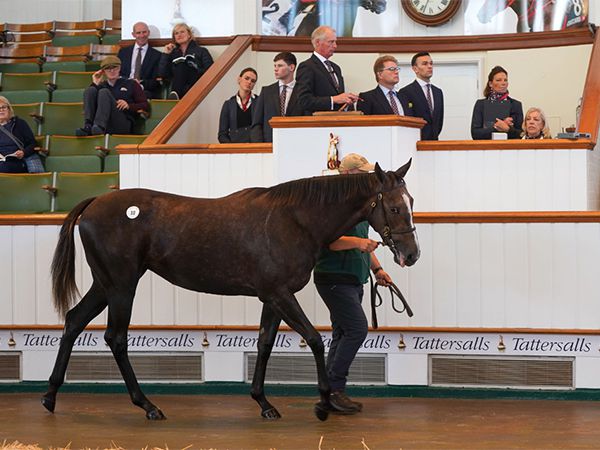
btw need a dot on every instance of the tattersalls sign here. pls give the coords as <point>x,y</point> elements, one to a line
<point>289,341</point>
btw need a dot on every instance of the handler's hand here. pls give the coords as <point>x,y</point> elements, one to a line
<point>383,278</point>
<point>366,245</point>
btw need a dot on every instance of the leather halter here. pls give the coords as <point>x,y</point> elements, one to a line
<point>386,233</point>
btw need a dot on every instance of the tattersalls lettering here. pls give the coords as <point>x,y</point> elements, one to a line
<point>539,345</point>
<point>477,344</point>
<point>184,340</point>
<point>239,341</point>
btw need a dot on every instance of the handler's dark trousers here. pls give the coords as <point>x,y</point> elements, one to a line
<point>100,108</point>
<point>350,328</point>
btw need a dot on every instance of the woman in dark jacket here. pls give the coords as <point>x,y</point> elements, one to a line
<point>497,112</point>
<point>184,61</point>
<point>16,140</point>
<point>237,112</point>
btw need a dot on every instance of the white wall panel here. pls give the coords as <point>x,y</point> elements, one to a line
<point>24,274</point>
<point>468,260</point>
<point>7,286</point>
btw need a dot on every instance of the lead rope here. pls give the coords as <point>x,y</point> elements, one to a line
<point>377,300</point>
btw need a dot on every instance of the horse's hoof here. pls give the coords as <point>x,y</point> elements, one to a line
<point>270,414</point>
<point>155,414</point>
<point>321,411</point>
<point>49,403</point>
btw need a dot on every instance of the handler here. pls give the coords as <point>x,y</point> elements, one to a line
<point>340,273</point>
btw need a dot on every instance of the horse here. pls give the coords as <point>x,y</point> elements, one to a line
<point>261,242</point>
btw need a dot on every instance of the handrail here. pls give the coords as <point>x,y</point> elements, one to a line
<point>165,129</point>
<point>589,121</point>
<point>509,144</point>
<point>420,217</point>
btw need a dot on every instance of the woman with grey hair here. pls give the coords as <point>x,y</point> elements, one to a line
<point>535,125</point>
<point>16,140</point>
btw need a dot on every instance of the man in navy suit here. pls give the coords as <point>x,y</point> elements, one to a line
<point>427,100</point>
<point>149,59</point>
<point>277,99</point>
<point>384,99</point>
<point>320,81</point>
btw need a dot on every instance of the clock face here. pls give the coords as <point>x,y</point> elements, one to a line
<point>430,7</point>
<point>431,12</point>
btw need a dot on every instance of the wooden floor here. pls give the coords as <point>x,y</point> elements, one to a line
<point>233,422</point>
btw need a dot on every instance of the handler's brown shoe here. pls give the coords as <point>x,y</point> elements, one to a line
<point>342,404</point>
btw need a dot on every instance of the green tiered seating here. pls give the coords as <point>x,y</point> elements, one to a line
<point>158,110</point>
<point>70,86</point>
<point>25,193</point>
<point>71,188</point>
<point>30,113</point>
<point>26,87</point>
<point>111,157</point>
<point>73,154</point>
<point>61,118</point>
<point>69,34</point>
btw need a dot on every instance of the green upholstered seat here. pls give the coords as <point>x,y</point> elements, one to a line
<point>74,145</point>
<point>61,118</point>
<point>72,188</point>
<point>26,81</point>
<point>30,113</point>
<point>25,193</point>
<point>158,110</point>
<point>73,163</point>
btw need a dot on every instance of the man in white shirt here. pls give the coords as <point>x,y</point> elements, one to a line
<point>140,61</point>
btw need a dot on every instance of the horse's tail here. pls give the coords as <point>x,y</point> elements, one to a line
<point>64,288</point>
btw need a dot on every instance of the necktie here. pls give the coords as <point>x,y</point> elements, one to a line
<point>429,100</point>
<point>138,64</point>
<point>393,103</point>
<point>282,97</point>
<point>332,74</point>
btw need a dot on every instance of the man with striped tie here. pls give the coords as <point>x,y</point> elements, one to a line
<point>320,81</point>
<point>384,99</point>
<point>277,99</point>
<point>427,100</point>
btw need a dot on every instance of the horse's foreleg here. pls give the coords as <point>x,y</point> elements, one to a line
<point>290,311</point>
<point>119,316</point>
<point>92,304</point>
<point>269,324</point>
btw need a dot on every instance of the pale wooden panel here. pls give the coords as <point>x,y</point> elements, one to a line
<point>468,275</point>
<point>153,173</point>
<point>560,187</point>
<point>444,191</point>
<point>233,309</point>
<point>540,270</point>
<point>423,189</point>
<point>588,275</point>
<point>525,161</point>
<point>203,176</point>
<point>129,174</point>
<point>46,238</point>
<point>173,184</point>
<point>253,308</point>
<point>543,185</point>
<point>189,175</point>
<point>220,176</point>
<point>163,301</point>
<point>492,275</point>
<point>579,179</point>
<point>420,292</point>
<point>186,307</point>
<point>490,190</point>
<point>142,304</point>
<point>24,274</point>
<point>210,309</point>
<point>473,178</point>
<point>564,274</point>
<point>516,266</point>
<point>508,178</point>
<point>7,286</point>
<point>444,268</point>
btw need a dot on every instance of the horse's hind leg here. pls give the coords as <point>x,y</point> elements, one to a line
<point>119,316</point>
<point>92,304</point>
<point>269,324</point>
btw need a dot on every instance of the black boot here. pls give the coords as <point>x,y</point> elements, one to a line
<point>342,404</point>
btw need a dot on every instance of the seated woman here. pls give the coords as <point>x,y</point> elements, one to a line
<point>16,140</point>
<point>497,112</point>
<point>535,125</point>
<point>237,112</point>
<point>184,61</point>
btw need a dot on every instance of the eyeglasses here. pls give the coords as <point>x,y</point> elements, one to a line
<point>391,69</point>
<point>3,108</point>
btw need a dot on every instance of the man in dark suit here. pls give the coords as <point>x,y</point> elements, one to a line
<point>277,99</point>
<point>384,99</point>
<point>320,81</point>
<point>148,58</point>
<point>427,100</point>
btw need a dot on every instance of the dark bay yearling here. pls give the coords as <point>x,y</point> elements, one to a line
<point>256,242</point>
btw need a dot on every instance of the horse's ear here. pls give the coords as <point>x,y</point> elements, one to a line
<point>401,172</point>
<point>379,172</point>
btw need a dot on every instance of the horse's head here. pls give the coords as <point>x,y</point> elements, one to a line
<point>392,216</point>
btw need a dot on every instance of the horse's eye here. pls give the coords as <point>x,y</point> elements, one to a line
<point>395,210</point>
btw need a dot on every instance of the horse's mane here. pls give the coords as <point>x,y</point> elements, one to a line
<point>323,190</point>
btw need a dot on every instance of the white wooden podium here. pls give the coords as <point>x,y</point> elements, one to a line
<point>300,143</point>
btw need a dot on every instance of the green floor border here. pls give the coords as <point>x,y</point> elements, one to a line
<point>283,390</point>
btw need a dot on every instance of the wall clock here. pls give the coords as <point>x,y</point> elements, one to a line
<point>431,12</point>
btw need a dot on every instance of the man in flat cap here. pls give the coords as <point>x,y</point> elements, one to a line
<point>111,103</point>
<point>341,270</point>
